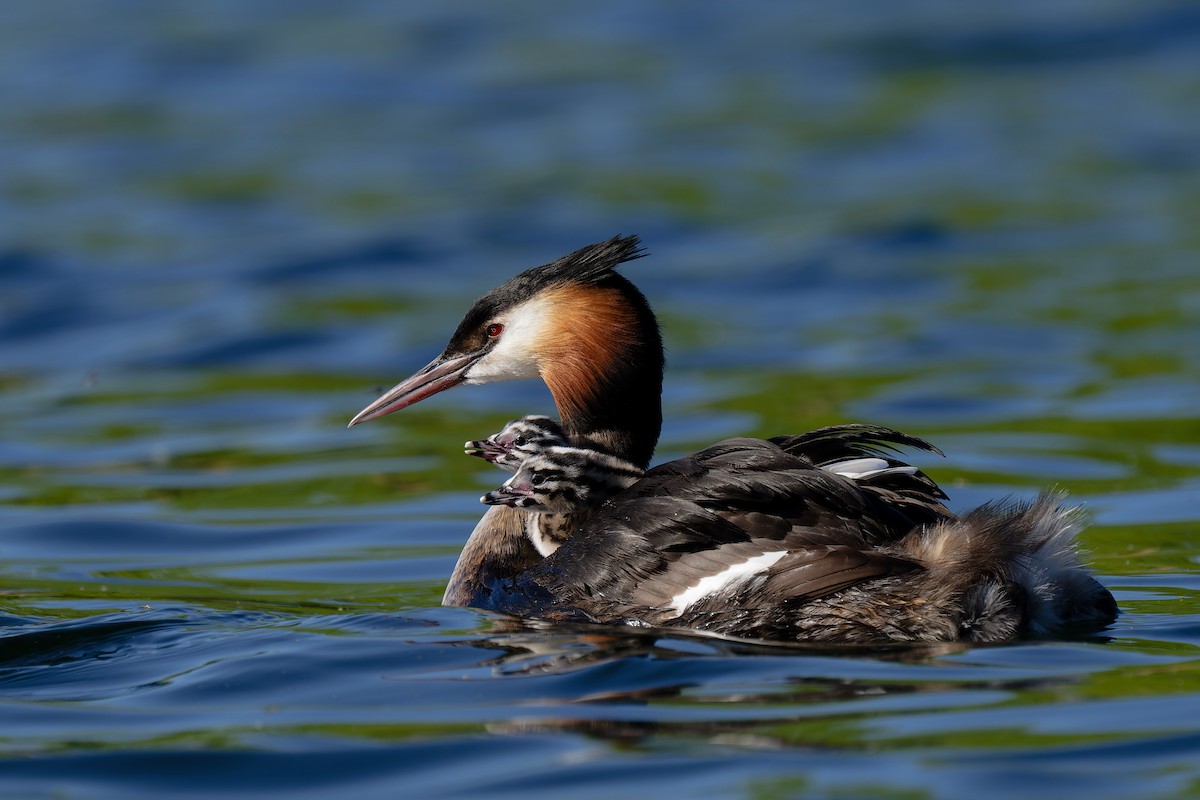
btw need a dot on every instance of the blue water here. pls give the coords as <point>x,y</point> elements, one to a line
<point>224,227</point>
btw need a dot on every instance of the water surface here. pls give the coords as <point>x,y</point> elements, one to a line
<point>225,227</point>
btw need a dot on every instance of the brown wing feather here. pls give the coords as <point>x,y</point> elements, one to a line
<point>804,575</point>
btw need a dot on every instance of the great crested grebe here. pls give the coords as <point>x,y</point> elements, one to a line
<point>815,537</point>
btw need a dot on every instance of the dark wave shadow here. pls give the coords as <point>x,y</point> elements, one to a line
<point>77,640</point>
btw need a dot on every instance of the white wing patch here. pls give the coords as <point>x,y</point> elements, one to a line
<point>858,468</point>
<point>724,580</point>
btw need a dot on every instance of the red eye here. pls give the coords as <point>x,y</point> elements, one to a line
<point>494,330</point>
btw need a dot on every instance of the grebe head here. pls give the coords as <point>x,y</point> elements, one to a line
<point>577,324</point>
<point>517,441</point>
<point>563,480</point>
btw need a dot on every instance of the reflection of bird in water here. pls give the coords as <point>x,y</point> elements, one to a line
<point>748,537</point>
<point>539,646</point>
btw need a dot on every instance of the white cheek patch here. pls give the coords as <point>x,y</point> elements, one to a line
<point>724,580</point>
<point>512,358</point>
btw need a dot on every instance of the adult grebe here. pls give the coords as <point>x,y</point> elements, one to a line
<point>747,538</point>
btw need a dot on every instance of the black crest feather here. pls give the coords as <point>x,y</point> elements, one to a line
<point>589,264</point>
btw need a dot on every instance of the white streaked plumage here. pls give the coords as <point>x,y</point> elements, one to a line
<point>545,545</point>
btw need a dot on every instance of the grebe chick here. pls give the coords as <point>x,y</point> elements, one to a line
<point>783,539</point>
<point>558,488</point>
<point>565,480</point>
<point>518,440</point>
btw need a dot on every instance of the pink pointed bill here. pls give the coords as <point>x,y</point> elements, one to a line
<point>438,375</point>
<point>506,496</point>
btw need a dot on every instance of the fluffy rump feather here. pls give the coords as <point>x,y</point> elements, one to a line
<point>1014,567</point>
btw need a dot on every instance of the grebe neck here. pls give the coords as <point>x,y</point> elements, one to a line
<point>606,372</point>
